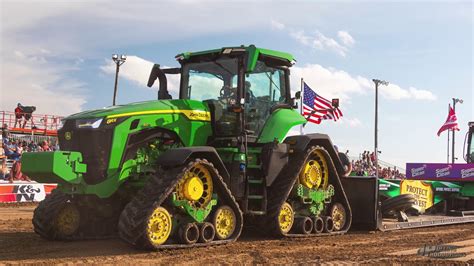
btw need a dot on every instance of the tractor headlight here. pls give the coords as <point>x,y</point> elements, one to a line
<point>89,123</point>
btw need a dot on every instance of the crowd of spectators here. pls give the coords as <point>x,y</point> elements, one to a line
<point>365,166</point>
<point>12,150</point>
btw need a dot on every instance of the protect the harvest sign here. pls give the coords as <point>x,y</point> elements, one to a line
<point>423,192</point>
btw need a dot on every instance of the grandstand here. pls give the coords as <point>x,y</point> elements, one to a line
<point>30,128</point>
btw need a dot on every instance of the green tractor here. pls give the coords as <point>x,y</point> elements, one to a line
<point>183,172</point>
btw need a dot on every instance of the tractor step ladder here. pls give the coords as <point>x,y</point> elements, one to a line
<point>256,195</point>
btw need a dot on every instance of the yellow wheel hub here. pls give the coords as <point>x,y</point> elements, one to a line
<point>196,186</point>
<point>159,226</point>
<point>68,220</point>
<point>224,222</point>
<point>315,173</point>
<point>193,188</point>
<point>338,215</point>
<point>286,217</point>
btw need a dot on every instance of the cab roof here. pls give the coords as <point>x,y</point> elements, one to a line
<point>253,53</point>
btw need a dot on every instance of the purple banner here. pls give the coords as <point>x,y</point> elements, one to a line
<point>440,171</point>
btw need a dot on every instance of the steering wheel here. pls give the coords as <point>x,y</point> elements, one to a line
<point>227,93</point>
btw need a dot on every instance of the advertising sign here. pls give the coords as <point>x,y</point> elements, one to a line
<point>440,171</point>
<point>25,192</point>
<point>423,192</point>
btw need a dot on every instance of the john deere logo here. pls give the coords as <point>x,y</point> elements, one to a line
<point>67,135</point>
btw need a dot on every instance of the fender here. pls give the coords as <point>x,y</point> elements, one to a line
<point>179,156</point>
<point>301,142</point>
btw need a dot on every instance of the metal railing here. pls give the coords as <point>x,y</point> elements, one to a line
<point>35,124</point>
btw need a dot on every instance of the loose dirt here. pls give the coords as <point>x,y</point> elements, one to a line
<point>19,244</point>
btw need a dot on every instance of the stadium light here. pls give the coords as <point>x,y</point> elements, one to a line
<point>118,63</point>
<point>455,100</point>
<point>377,82</point>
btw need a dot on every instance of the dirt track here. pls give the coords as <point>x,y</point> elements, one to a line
<point>19,244</point>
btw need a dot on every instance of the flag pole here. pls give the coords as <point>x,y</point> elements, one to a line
<point>301,104</point>
<point>447,150</point>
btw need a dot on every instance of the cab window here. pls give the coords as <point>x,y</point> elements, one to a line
<point>265,87</point>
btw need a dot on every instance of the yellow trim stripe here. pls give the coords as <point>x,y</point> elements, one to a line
<point>190,114</point>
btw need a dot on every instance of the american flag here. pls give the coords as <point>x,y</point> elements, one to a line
<point>317,108</point>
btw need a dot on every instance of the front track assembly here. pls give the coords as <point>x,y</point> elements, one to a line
<point>182,207</point>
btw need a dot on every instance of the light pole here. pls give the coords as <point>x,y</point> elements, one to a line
<point>118,62</point>
<point>377,82</point>
<point>455,100</point>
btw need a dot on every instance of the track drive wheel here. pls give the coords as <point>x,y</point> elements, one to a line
<point>224,222</point>
<point>286,218</point>
<point>339,216</point>
<point>314,173</point>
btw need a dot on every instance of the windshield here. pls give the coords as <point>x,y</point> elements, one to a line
<point>209,80</point>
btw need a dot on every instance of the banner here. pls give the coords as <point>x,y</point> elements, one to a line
<point>423,192</point>
<point>440,171</point>
<point>24,192</point>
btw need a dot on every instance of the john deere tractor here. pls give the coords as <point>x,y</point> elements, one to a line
<point>181,172</point>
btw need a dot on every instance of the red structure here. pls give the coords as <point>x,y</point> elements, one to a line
<point>46,125</point>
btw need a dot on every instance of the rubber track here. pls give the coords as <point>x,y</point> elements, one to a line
<point>281,189</point>
<point>45,212</point>
<point>94,228</point>
<point>133,220</point>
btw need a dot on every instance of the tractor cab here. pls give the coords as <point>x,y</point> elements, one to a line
<point>242,86</point>
<point>469,151</point>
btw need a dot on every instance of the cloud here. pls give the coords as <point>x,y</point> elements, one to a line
<point>31,79</point>
<point>334,83</point>
<point>329,82</point>
<point>422,94</point>
<point>345,38</point>
<point>395,92</point>
<point>277,25</point>
<point>318,40</point>
<point>322,42</point>
<point>352,122</point>
<point>137,69</point>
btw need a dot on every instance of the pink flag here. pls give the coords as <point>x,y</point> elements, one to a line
<point>451,122</point>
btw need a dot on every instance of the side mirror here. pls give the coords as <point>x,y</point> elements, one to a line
<point>294,103</point>
<point>298,95</point>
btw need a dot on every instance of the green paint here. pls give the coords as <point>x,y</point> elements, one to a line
<point>52,167</point>
<point>252,52</point>
<point>198,214</point>
<point>316,198</point>
<point>278,125</point>
<point>468,190</point>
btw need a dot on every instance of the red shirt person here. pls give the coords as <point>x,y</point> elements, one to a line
<point>18,114</point>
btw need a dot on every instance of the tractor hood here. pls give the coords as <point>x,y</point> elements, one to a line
<point>194,110</point>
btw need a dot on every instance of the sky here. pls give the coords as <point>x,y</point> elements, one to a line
<point>56,55</point>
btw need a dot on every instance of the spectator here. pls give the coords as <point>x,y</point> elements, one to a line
<point>18,115</point>
<point>16,174</point>
<point>45,146</point>
<point>5,132</point>
<point>2,153</point>
<point>4,175</point>
<point>10,149</point>
<point>365,167</point>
